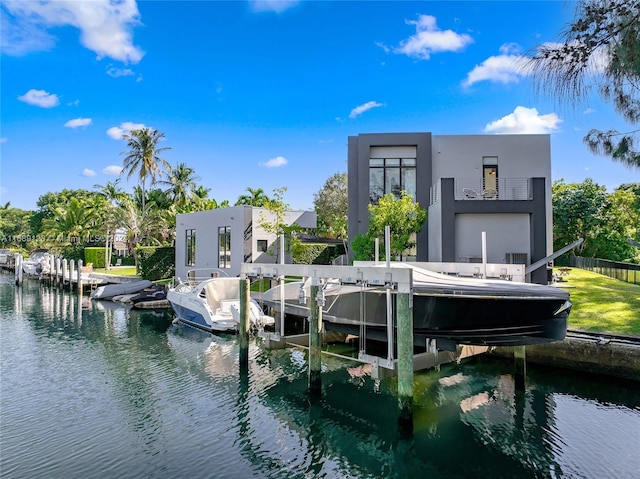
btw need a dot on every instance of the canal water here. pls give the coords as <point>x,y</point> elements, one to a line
<point>93,390</point>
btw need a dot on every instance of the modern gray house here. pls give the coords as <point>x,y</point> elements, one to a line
<point>470,184</point>
<point>225,238</point>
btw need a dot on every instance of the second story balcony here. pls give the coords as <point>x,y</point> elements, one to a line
<point>477,189</point>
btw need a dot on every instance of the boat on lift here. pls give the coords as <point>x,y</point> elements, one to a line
<point>451,310</point>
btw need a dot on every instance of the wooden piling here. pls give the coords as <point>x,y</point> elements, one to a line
<point>243,326</point>
<point>315,341</point>
<point>80,285</point>
<point>18,271</point>
<point>405,360</point>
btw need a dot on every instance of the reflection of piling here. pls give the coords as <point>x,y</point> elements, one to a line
<point>315,341</point>
<point>405,361</point>
<point>520,365</point>
<point>243,326</point>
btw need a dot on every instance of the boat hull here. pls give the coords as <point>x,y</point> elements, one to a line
<point>506,315</point>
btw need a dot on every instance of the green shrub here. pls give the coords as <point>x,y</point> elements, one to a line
<point>156,263</point>
<point>95,256</point>
<point>315,253</point>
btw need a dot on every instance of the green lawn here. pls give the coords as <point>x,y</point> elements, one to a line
<point>602,304</point>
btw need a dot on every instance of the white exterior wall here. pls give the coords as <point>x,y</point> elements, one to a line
<point>519,156</point>
<point>505,234</point>
<point>434,222</point>
<point>206,224</point>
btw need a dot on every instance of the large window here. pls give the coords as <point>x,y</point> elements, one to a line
<point>224,246</point>
<point>392,170</point>
<point>190,247</point>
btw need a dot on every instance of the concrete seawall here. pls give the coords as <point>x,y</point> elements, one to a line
<point>602,354</point>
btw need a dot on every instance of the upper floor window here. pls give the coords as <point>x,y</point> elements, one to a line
<point>190,247</point>
<point>392,169</point>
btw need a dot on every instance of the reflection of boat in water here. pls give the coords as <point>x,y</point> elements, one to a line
<point>37,264</point>
<point>451,310</point>
<point>214,305</point>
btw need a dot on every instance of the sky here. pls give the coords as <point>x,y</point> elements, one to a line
<point>265,93</point>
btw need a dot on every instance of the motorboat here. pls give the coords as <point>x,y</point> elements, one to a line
<point>37,264</point>
<point>214,305</point>
<point>449,309</point>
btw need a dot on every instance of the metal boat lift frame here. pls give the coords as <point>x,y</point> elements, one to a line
<point>398,279</point>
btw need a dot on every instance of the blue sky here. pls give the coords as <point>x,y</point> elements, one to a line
<point>264,94</point>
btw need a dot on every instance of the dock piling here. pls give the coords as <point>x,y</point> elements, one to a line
<point>405,361</point>
<point>243,326</point>
<point>315,339</point>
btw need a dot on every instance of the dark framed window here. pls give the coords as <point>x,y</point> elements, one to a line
<point>224,247</point>
<point>391,175</point>
<point>262,245</point>
<point>190,248</point>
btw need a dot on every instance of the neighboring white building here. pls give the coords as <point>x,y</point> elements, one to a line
<point>227,237</point>
<point>498,184</point>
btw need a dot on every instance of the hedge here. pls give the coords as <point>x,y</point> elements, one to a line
<point>156,263</point>
<point>315,253</point>
<point>95,256</point>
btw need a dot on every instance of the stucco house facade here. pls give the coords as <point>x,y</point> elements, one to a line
<point>469,184</point>
<point>227,237</point>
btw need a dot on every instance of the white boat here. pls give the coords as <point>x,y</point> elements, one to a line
<point>37,264</point>
<point>108,291</point>
<point>214,305</point>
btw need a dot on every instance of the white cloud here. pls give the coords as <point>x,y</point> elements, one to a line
<point>430,39</point>
<point>40,98</point>
<point>75,123</point>
<point>275,162</point>
<point>524,121</point>
<point>105,26</point>
<point>112,170</point>
<point>4,140</point>
<point>277,6</point>
<point>89,173</point>
<point>589,111</point>
<point>364,107</point>
<point>119,72</point>
<point>117,132</point>
<point>508,67</point>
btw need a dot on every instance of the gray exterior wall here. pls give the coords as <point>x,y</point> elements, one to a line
<point>454,226</point>
<point>358,178</point>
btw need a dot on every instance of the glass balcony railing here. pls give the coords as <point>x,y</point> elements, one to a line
<point>476,189</point>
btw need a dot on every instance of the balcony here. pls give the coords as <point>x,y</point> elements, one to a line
<point>475,189</point>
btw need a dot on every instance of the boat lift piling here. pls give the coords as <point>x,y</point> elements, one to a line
<point>316,302</point>
<point>398,279</point>
<point>243,326</point>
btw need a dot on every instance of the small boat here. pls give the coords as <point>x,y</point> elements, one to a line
<point>108,291</point>
<point>37,264</point>
<point>451,310</point>
<point>213,305</point>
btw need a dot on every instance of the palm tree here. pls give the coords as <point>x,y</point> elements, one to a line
<point>143,156</point>
<point>182,184</point>
<point>256,197</point>
<point>114,196</point>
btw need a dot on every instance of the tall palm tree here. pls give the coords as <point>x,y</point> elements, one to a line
<point>143,156</point>
<point>182,184</point>
<point>114,196</point>
<point>256,197</point>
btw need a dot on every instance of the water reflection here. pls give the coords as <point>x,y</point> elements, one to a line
<point>131,394</point>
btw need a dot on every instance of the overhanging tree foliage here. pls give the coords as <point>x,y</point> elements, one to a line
<point>331,206</point>
<point>602,47</point>
<point>405,219</point>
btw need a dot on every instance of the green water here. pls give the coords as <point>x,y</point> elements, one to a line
<point>90,389</point>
